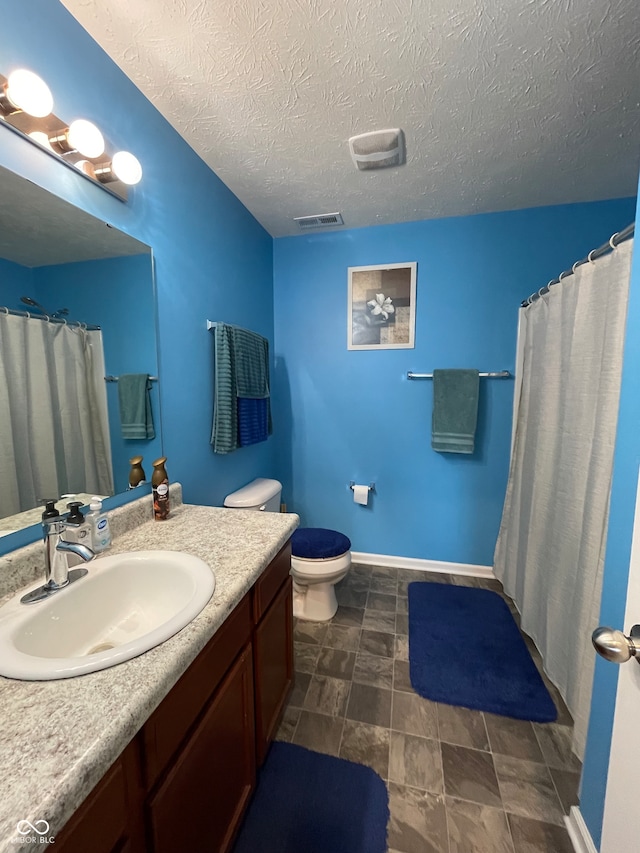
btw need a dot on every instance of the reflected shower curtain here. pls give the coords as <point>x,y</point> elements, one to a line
<point>550,550</point>
<point>54,435</point>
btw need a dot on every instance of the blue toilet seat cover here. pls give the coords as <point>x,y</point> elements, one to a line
<point>318,543</point>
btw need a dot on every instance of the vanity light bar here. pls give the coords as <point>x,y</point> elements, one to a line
<point>26,105</point>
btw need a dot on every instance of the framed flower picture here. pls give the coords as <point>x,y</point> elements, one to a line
<point>381,311</point>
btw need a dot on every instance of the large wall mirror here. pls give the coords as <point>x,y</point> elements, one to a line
<point>77,312</point>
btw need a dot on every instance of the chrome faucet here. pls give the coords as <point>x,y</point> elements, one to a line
<point>57,572</point>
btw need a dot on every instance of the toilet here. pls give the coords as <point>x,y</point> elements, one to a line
<point>260,494</point>
<point>320,558</point>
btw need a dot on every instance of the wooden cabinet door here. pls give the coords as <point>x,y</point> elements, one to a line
<point>273,661</point>
<point>109,820</point>
<point>200,803</point>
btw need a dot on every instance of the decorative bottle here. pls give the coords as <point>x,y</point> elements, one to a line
<point>160,484</point>
<point>136,474</point>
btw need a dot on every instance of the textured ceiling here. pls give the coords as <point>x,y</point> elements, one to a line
<point>504,103</point>
<point>38,228</point>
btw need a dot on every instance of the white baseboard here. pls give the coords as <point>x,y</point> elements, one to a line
<point>390,562</point>
<point>578,832</point>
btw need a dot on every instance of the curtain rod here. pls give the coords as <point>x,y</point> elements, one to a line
<point>88,327</point>
<point>611,244</point>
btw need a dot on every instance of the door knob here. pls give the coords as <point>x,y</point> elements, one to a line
<point>615,646</point>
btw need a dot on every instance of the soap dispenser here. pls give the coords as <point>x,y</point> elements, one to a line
<point>99,523</point>
<point>76,528</point>
<point>50,512</point>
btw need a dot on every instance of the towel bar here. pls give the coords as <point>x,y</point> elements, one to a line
<point>500,374</point>
<point>115,378</point>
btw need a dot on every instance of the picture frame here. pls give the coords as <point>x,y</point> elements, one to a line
<point>381,306</point>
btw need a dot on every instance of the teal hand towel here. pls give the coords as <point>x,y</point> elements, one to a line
<point>136,419</point>
<point>455,410</point>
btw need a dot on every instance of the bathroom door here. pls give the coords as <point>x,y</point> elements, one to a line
<point>621,826</point>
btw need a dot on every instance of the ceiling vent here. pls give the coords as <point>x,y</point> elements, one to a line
<point>378,150</point>
<point>322,220</point>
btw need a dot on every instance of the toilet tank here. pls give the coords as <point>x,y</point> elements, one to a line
<point>260,494</point>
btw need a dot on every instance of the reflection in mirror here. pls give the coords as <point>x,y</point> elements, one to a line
<point>77,305</point>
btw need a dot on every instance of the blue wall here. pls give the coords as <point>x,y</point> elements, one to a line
<point>15,281</point>
<point>353,415</point>
<point>212,259</point>
<point>118,295</point>
<point>616,570</point>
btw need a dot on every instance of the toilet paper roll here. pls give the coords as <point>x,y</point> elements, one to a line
<point>361,495</point>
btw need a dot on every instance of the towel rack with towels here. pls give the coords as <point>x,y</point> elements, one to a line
<point>115,378</point>
<point>500,374</point>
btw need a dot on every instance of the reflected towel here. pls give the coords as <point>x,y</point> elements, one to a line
<point>455,410</point>
<point>136,419</point>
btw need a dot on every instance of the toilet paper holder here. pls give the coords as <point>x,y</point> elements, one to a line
<point>372,486</point>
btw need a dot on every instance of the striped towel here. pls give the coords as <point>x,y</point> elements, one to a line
<point>241,373</point>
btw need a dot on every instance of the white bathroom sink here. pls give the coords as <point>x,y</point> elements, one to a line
<point>126,605</point>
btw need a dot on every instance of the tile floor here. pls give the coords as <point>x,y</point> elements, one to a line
<point>459,781</point>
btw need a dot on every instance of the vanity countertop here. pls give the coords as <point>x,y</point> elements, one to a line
<point>60,737</point>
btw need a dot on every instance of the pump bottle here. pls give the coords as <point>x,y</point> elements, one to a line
<point>99,524</point>
<point>77,528</point>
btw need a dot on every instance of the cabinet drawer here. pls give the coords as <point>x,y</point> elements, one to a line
<point>171,721</point>
<point>270,581</point>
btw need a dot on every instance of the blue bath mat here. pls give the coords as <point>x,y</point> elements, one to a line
<point>466,649</point>
<point>307,802</point>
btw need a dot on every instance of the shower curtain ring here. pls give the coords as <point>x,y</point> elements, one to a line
<point>6,310</point>
<point>589,258</point>
<point>612,240</point>
<point>563,274</point>
<point>576,265</point>
<point>28,317</point>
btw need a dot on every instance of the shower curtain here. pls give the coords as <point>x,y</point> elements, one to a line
<point>550,550</point>
<point>55,436</point>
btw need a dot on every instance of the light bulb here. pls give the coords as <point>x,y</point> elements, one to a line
<point>41,138</point>
<point>126,167</point>
<point>86,167</point>
<point>83,136</point>
<point>29,93</point>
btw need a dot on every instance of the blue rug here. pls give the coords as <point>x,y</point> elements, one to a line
<point>466,649</point>
<point>306,802</point>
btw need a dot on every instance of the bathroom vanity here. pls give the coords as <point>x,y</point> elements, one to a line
<point>184,781</point>
<point>160,753</point>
